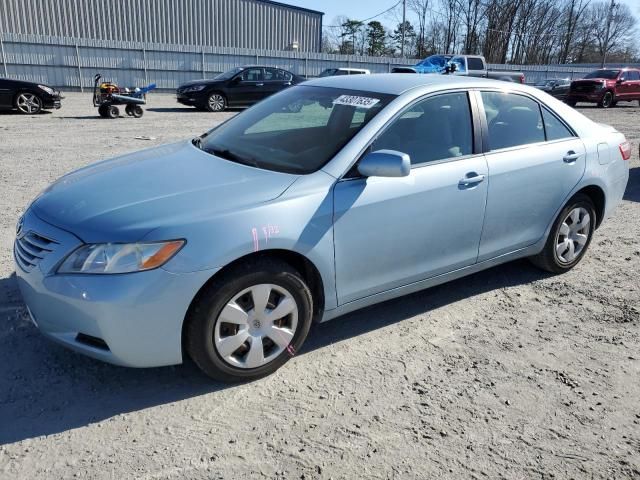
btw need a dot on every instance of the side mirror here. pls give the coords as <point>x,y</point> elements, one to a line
<point>385,163</point>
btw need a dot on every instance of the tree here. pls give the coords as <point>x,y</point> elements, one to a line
<point>420,8</point>
<point>376,39</point>
<point>349,35</point>
<point>409,37</point>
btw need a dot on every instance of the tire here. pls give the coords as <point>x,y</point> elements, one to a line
<point>113,111</point>
<point>28,103</point>
<point>103,111</point>
<point>137,111</point>
<point>607,100</point>
<point>216,102</point>
<point>129,110</point>
<point>226,350</point>
<point>571,103</point>
<point>561,253</point>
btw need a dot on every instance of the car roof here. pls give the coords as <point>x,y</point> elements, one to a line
<point>398,83</point>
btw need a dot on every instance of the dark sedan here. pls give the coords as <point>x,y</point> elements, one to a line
<point>556,87</point>
<point>239,87</point>
<point>27,97</point>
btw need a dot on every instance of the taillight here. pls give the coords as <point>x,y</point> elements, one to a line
<point>522,78</point>
<point>625,150</point>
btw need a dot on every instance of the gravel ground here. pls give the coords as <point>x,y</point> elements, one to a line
<point>509,373</point>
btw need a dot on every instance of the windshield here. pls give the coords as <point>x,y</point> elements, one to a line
<point>228,74</point>
<point>608,74</point>
<point>295,131</point>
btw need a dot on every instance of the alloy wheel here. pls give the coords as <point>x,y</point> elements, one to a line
<point>216,102</point>
<point>28,103</point>
<point>573,235</point>
<point>256,326</point>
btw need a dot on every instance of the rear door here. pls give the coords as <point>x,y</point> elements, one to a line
<point>275,80</point>
<point>534,162</point>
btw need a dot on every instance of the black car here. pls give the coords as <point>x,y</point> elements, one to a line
<point>27,97</point>
<point>239,87</point>
<point>556,87</point>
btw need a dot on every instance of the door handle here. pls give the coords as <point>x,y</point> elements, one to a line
<point>259,84</point>
<point>287,83</point>
<point>571,157</point>
<point>471,180</point>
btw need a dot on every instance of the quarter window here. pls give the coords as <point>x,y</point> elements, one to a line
<point>554,128</point>
<point>436,128</point>
<point>513,120</point>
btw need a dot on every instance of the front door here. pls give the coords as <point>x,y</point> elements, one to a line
<point>275,80</point>
<point>247,87</point>
<point>535,161</point>
<point>390,232</point>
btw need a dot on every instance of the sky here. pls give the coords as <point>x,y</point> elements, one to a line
<point>359,9</point>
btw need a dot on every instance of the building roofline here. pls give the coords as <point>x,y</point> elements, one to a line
<point>293,7</point>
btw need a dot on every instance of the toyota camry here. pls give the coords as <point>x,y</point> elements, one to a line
<point>325,198</point>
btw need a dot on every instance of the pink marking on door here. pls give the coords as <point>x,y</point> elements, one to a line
<point>256,241</point>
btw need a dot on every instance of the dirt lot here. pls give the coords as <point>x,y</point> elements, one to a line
<point>510,373</point>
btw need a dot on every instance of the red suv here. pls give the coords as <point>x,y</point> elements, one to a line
<point>606,87</point>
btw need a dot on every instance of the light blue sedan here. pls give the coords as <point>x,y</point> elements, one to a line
<point>327,197</point>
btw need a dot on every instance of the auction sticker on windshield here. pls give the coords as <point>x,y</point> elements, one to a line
<point>355,101</point>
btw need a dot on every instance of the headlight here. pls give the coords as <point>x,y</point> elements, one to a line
<point>600,86</point>
<point>195,88</point>
<point>49,90</point>
<point>105,258</point>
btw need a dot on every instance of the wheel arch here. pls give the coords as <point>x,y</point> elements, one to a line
<point>301,263</point>
<point>597,196</point>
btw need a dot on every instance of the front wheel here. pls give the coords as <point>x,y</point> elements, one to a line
<point>249,322</point>
<point>607,100</point>
<point>28,103</point>
<point>570,236</point>
<point>216,102</point>
<point>571,103</point>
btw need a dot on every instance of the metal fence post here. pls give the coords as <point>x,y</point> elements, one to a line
<point>203,74</point>
<point>306,67</point>
<point>79,68</point>
<point>144,65</point>
<point>4,59</point>
<point>257,61</point>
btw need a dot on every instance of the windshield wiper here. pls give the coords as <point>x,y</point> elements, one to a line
<point>197,142</point>
<point>234,157</point>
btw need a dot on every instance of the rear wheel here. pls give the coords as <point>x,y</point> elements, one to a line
<point>216,102</point>
<point>571,103</point>
<point>103,111</point>
<point>247,323</point>
<point>607,100</point>
<point>570,236</point>
<point>28,103</point>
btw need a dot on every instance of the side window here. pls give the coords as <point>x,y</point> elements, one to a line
<point>433,129</point>
<point>554,128</point>
<point>512,119</point>
<point>270,74</point>
<point>284,76</point>
<point>252,75</point>
<point>634,75</point>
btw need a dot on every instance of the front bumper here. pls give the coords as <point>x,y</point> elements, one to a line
<point>132,320</point>
<point>50,102</point>
<point>590,97</point>
<point>191,99</point>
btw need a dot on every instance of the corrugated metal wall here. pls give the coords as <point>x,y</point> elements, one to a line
<point>70,63</point>
<point>64,62</point>
<point>220,23</point>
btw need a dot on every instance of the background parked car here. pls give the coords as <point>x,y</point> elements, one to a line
<point>470,65</point>
<point>239,87</point>
<point>26,97</point>
<point>556,87</point>
<point>332,72</point>
<point>606,87</point>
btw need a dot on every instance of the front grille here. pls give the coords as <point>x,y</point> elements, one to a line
<point>31,248</point>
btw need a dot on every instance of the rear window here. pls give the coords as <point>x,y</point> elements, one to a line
<point>475,63</point>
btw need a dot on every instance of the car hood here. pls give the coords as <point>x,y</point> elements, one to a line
<point>123,199</point>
